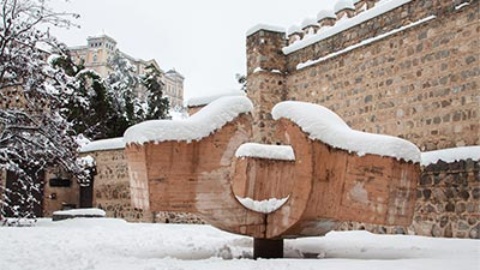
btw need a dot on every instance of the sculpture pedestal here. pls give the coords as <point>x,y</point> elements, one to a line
<point>267,248</point>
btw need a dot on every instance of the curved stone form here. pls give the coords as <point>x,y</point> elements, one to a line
<point>320,186</point>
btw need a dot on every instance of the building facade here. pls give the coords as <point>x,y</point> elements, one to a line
<point>100,49</point>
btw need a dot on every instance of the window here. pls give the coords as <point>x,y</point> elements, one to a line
<point>95,57</point>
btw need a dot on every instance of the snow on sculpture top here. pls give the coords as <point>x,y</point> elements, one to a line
<point>278,152</point>
<point>204,100</point>
<point>324,125</point>
<point>214,116</point>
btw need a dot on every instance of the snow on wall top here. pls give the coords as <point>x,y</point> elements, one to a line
<point>103,145</point>
<point>324,125</point>
<point>343,4</point>
<point>326,13</point>
<point>204,100</point>
<point>308,22</point>
<point>451,155</point>
<point>379,9</point>
<point>294,29</point>
<point>265,151</point>
<point>267,27</point>
<point>81,212</point>
<point>214,116</point>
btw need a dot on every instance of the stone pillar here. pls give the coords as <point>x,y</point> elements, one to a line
<point>266,70</point>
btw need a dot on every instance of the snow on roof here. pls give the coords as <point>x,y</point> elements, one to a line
<point>204,100</point>
<point>265,151</point>
<point>451,155</point>
<point>266,27</point>
<point>264,206</point>
<point>103,145</point>
<point>324,125</point>
<point>343,4</point>
<point>379,9</point>
<point>326,13</point>
<point>81,212</point>
<point>200,125</point>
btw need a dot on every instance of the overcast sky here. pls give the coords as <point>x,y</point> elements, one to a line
<point>204,39</point>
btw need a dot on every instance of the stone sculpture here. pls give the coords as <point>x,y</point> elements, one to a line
<point>321,172</point>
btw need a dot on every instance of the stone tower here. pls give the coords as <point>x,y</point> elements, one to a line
<point>266,74</point>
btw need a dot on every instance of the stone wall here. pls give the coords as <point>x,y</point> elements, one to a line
<point>448,200</point>
<point>420,84</point>
<point>59,197</point>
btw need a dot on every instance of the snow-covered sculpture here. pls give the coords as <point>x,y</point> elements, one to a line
<point>321,174</point>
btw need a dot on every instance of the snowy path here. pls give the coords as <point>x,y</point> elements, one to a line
<point>114,244</point>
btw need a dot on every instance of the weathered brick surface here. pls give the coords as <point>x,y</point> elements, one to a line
<point>112,191</point>
<point>448,203</point>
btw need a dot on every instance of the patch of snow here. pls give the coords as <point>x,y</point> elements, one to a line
<point>326,13</point>
<point>204,100</point>
<point>379,9</point>
<point>52,58</point>
<point>258,69</point>
<point>81,212</point>
<point>265,151</point>
<point>113,244</point>
<point>343,4</point>
<point>363,43</point>
<point>265,206</point>
<point>103,145</point>
<point>308,22</point>
<point>87,161</point>
<point>294,29</point>
<point>81,140</point>
<point>324,125</point>
<point>266,27</point>
<point>211,118</point>
<point>462,6</point>
<point>451,155</point>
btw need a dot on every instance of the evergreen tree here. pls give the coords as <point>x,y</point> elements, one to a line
<point>89,107</point>
<point>157,105</point>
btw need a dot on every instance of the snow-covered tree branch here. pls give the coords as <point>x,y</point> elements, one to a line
<point>34,133</point>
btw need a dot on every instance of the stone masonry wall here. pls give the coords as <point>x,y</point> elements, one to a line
<point>420,84</point>
<point>112,191</point>
<point>448,200</point>
<point>59,198</point>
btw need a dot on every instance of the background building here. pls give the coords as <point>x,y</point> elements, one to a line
<point>100,49</point>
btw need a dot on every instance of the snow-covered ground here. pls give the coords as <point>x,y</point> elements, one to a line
<point>115,244</point>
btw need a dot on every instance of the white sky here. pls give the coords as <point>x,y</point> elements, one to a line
<point>204,39</point>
